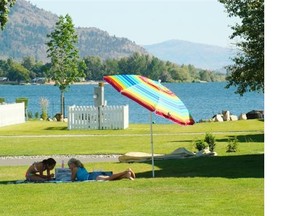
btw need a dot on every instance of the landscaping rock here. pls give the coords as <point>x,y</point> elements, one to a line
<point>226,115</point>
<point>255,114</point>
<point>233,118</point>
<point>242,116</point>
<point>218,118</point>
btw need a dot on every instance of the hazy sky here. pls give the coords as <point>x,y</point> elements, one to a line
<point>148,21</point>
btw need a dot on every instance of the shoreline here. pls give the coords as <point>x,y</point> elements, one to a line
<point>90,82</point>
<point>53,83</point>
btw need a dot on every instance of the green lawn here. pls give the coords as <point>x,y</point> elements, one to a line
<point>228,184</point>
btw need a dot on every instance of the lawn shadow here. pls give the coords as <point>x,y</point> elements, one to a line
<point>182,141</point>
<point>238,166</point>
<point>245,138</point>
<point>241,138</point>
<point>56,128</point>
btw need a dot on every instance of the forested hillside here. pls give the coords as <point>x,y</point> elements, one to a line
<point>23,57</point>
<point>28,26</point>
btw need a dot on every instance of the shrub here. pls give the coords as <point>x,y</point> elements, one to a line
<point>210,139</point>
<point>44,107</point>
<point>30,114</point>
<point>200,145</point>
<point>36,115</point>
<point>232,145</point>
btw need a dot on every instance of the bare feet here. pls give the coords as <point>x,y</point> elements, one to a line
<point>132,173</point>
<point>129,175</point>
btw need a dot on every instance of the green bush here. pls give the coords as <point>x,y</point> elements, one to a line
<point>210,139</point>
<point>36,115</point>
<point>232,145</point>
<point>44,103</point>
<point>44,115</point>
<point>30,115</point>
<point>200,145</point>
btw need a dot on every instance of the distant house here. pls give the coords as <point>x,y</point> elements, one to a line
<point>4,79</point>
<point>39,80</point>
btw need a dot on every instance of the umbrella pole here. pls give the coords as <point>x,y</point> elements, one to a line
<point>152,147</point>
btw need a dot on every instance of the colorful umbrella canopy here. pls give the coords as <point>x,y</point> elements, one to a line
<point>153,96</point>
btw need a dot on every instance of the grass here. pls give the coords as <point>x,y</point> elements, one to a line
<point>56,128</point>
<point>56,139</point>
<point>229,184</point>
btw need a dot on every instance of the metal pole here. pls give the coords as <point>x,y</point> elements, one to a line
<point>152,147</point>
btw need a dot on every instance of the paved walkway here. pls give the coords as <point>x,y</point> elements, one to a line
<point>27,160</point>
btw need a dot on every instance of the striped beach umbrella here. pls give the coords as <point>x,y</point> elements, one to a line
<point>153,96</point>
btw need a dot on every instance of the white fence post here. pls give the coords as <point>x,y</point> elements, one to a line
<point>125,116</point>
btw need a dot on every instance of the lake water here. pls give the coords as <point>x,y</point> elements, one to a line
<point>202,99</point>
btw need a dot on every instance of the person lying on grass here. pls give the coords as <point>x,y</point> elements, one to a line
<point>35,171</point>
<point>79,173</point>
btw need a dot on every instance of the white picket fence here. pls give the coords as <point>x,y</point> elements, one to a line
<point>101,118</point>
<point>11,114</point>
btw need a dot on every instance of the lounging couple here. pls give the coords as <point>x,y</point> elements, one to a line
<point>78,172</point>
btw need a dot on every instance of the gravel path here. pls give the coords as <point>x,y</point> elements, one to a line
<point>27,160</point>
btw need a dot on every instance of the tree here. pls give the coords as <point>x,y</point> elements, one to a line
<point>64,56</point>
<point>3,68</point>
<point>17,72</point>
<point>4,11</point>
<point>111,66</point>
<point>28,62</point>
<point>193,72</point>
<point>155,68</point>
<point>94,69</point>
<point>135,64</point>
<point>205,75</point>
<point>248,71</point>
<point>179,74</point>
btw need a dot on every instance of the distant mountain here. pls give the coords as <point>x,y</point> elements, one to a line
<point>26,34</point>
<point>200,55</point>
<point>27,28</point>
